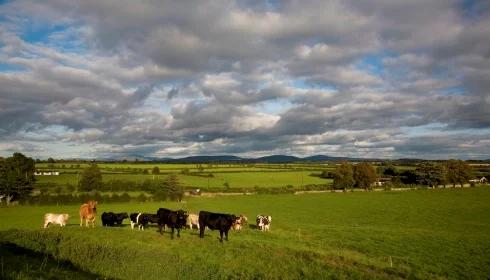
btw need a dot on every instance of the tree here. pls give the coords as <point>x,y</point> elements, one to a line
<point>16,177</point>
<point>364,175</point>
<point>430,174</point>
<point>91,178</point>
<point>343,176</point>
<point>173,188</point>
<point>458,172</point>
<point>155,170</point>
<point>51,160</point>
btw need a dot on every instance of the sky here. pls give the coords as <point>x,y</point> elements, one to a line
<point>373,78</point>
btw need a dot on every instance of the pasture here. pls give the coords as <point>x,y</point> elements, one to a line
<point>424,234</point>
<point>234,178</point>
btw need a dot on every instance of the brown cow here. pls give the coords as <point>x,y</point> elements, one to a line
<point>88,212</point>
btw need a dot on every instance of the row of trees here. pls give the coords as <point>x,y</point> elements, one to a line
<point>363,175</point>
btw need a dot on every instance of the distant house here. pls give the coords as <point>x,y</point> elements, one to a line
<point>47,173</point>
<point>382,181</point>
<point>482,180</point>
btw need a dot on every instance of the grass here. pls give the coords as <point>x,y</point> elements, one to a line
<point>234,180</point>
<point>428,234</point>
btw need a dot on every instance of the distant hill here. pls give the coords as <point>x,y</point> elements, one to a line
<point>266,159</point>
<point>204,159</point>
<point>277,159</point>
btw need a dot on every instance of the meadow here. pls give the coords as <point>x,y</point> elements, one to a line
<point>423,234</point>
<point>191,176</point>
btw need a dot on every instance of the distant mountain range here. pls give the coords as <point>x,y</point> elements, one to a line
<point>230,159</point>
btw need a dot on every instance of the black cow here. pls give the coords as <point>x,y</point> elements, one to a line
<point>141,220</point>
<point>216,221</point>
<point>110,218</point>
<point>172,219</point>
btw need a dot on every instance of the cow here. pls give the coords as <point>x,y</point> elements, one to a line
<point>238,224</point>
<point>60,219</point>
<point>193,220</point>
<point>141,220</point>
<point>110,218</point>
<point>88,212</point>
<point>263,222</point>
<point>172,219</point>
<point>216,221</point>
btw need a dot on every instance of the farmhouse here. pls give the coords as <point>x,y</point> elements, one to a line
<point>482,180</point>
<point>47,173</point>
<point>382,181</point>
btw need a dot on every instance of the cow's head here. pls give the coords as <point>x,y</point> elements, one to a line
<point>92,204</point>
<point>182,217</point>
<point>124,215</point>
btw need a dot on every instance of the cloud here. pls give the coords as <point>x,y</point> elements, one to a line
<point>159,78</point>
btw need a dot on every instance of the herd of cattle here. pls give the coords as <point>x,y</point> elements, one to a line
<point>164,218</point>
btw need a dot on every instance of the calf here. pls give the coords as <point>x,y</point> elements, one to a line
<point>172,219</point>
<point>88,213</point>
<point>60,219</point>
<point>216,221</point>
<point>240,221</point>
<point>110,218</point>
<point>140,219</point>
<point>193,220</point>
<point>263,222</point>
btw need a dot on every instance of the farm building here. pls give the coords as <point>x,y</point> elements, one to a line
<point>47,173</point>
<point>482,180</point>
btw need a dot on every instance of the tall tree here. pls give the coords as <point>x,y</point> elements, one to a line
<point>91,178</point>
<point>16,177</point>
<point>343,176</point>
<point>156,170</point>
<point>458,172</point>
<point>364,175</point>
<point>172,186</point>
<point>430,174</point>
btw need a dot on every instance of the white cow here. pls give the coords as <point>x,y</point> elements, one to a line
<point>193,220</point>
<point>60,219</point>
<point>263,222</point>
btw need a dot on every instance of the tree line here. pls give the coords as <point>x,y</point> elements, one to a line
<point>364,175</point>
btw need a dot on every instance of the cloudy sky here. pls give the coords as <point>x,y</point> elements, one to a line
<point>371,78</point>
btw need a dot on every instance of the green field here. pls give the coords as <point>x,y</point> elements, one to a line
<point>234,179</point>
<point>427,234</point>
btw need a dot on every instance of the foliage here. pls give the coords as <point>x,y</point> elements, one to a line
<point>155,170</point>
<point>430,174</point>
<point>344,176</point>
<point>458,172</point>
<point>91,178</point>
<point>364,175</point>
<point>16,177</point>
<point>173,188</point>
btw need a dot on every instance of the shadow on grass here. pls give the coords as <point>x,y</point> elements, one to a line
<point>20,263</point>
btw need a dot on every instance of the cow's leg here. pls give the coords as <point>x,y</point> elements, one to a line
<point>220,235</point>
<point>46,224</point>
<point>81,221</point>
<point>160,228</point>
<point>201,232</point>
<point>178,232</point>
<point>226,235</point>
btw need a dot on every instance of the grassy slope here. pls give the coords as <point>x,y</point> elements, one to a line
<point>235,180</point>
<point>428,234</point>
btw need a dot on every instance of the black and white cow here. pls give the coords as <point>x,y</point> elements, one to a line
<point>110,218</point>
<point>140,219</point>
<point>172,219</point>
<point>216,221</point>
<point>263,222</point>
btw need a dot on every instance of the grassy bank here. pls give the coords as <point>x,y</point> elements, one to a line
<point>426,234</point>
